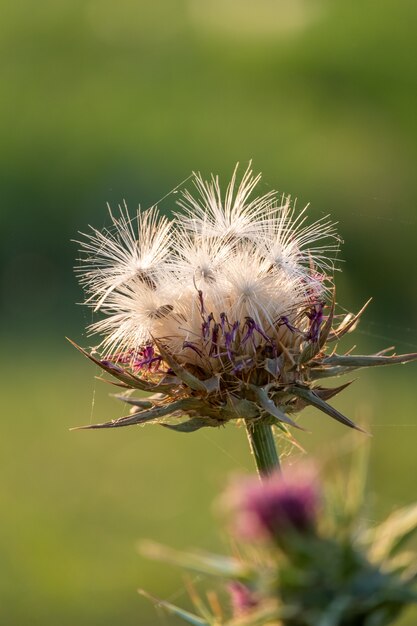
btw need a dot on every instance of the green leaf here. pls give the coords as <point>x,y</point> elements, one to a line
<point>186,377</point>
<point>239,408</point>
<point>188,617</point>
<point>141,416</point>
<point>125,377</point>
<point>200,562</point>
<point>191,425</point>
<point>269,406</point>
<point>212,384</point>
<point>269,612</point>
<point>312,398</point>
<point>327,326</point>
<point>273,366</point>
<point>335,611</point>
<point>139,402</point>
<point>327,393</point>
<point>357,361</point>
<point>317,373</point>
<point>347,326</point>
<point>391,535</point>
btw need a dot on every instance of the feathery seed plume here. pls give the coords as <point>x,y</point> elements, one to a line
<point>224,312</point>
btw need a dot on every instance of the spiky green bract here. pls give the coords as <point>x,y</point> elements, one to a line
<point>223,313</point>
<point>309,566</point>
<point>269,392</point>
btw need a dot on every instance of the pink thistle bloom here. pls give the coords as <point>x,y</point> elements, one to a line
<point>279,504</point>
<point>242,598</point>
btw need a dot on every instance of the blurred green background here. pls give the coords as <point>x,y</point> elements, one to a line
<point>104,101</point>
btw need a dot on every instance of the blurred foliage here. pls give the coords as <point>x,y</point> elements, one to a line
<point>75,505</point>
<point>305,553</point>
<point>106,100</point>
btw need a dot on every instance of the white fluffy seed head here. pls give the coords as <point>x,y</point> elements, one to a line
<point>233,215</point>
<point>199,259</point>
<point>132,249</point>
<point>229,268</point>
<point>131,311</point>
<point>294,245</point>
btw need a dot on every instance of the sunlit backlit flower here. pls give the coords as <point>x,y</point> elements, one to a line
<point>225,311</point>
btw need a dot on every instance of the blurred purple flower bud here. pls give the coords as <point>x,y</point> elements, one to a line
<point>280,503</point>
<point>242,598</point>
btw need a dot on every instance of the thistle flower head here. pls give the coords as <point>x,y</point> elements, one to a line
<point>280,504</point>
<point>225,310</point>
<point>243,600</point>
<point>324,561</point>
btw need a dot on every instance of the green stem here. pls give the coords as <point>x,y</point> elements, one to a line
<point>262,445</point>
